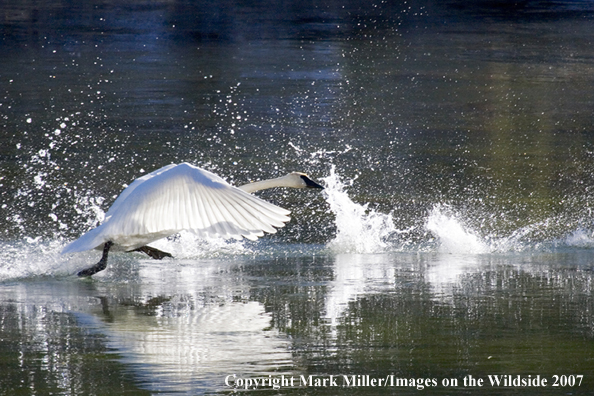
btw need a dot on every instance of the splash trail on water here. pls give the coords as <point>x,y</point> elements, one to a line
<point>360,229</point>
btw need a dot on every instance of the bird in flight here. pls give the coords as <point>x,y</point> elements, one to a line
<point>182,197</point>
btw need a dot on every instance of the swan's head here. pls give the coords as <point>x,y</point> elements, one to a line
<point>293,180</point>
<point>301,180</point>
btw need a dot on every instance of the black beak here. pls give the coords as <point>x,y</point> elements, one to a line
<point>310,183</point>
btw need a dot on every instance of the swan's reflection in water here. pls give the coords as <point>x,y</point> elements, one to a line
<point>203,344</point>
<point>186,327</point>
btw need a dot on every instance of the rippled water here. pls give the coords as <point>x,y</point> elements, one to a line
<point>454,236</point>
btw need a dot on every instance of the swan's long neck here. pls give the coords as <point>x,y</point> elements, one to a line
<point>264,184</point>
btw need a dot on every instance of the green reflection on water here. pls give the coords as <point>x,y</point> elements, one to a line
<point>44,352</point>
<point>497,319</point>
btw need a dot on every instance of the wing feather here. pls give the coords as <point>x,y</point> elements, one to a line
<point>216,219</point>
<point>249,225</point>
<point>227,219</point>
<point>259,219</point>
<point>201,216</point>
<point>260,211</point>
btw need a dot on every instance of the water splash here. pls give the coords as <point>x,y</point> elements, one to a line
<point>581,238</point>
<point>34,257</point>
<point>453,236</point>
<point>358,228</point>
<point>186,245</point>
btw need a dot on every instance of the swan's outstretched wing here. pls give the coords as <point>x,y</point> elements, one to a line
<point>181,197</point>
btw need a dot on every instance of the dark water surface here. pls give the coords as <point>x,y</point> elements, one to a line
<point>454,238</point>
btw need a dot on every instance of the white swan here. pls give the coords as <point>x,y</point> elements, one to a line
<point>184,197</point>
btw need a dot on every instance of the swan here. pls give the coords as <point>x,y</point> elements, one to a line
<point>180,197</point>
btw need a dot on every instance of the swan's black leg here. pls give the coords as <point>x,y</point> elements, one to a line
<point>100,266</point>
<point>153,252</point>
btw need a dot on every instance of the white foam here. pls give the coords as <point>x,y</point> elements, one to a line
<point>453,236</point>
<point>580,238</point>
<point>358,228</point>
<point>35,257</point>
<point>186,245</point>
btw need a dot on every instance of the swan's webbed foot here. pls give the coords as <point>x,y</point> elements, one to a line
<point>153,252</point>
<point>101,265</point>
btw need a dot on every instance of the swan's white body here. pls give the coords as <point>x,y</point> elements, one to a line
<point>185,197</point>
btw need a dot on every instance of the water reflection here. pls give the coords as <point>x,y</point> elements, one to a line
<point>186,330</point>
<point>448,315</point>
<point>182,327</point>
<point>355,275</point>
<point>46,349</point>
<point>195,350</point>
